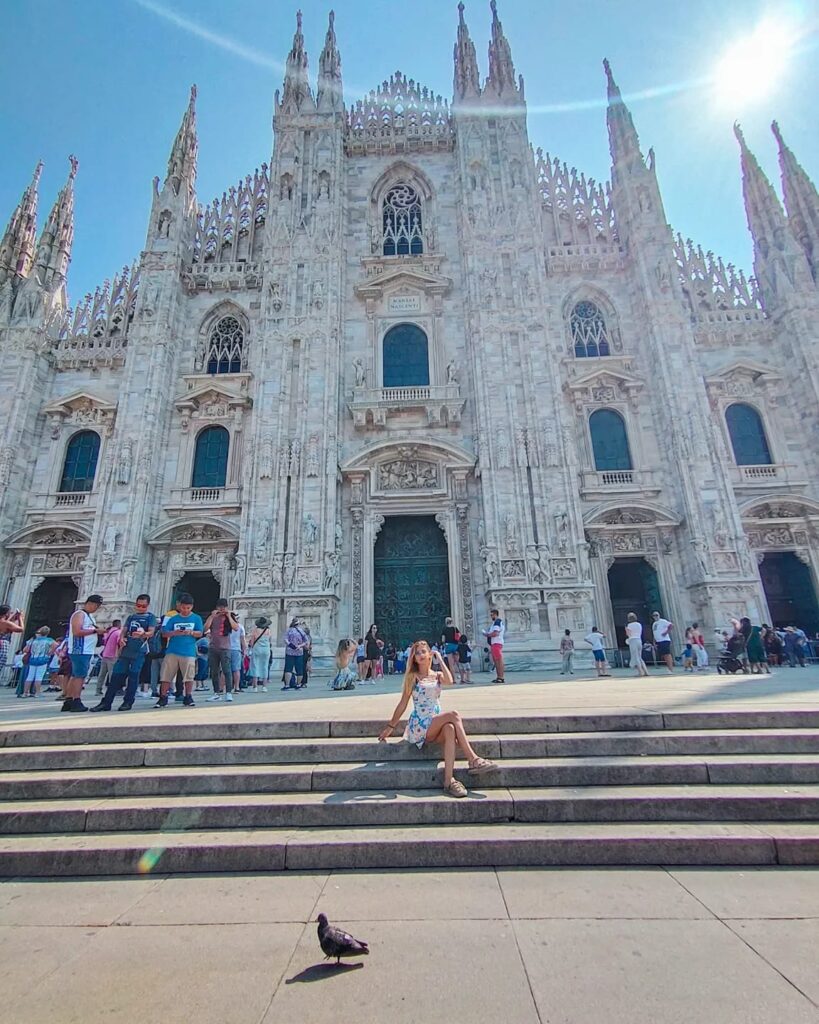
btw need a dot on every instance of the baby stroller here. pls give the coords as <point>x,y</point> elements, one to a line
<point>730,658</point>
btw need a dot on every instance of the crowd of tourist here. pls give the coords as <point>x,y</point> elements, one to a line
<point>173,656</point>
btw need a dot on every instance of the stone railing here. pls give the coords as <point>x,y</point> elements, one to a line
<point>190,498</point>
<point>619,481</point>
<point>442,403</point>
<point>62,501</point>
<point>757,477</point>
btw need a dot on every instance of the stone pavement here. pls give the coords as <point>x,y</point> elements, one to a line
<point>525,693</point>
<point>559,945</point>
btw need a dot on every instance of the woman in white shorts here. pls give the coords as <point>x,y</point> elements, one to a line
<point>634,639</point>
<point>39,649</point>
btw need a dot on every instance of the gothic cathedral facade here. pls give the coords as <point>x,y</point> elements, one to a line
<point>410,368</point>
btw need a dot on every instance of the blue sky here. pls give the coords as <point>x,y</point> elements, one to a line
<point>108,80</point>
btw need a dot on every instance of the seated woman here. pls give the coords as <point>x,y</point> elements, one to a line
<point>427,723</point>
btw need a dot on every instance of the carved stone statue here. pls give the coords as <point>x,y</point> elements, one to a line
<point>491,567</point>
<point>511,534</point>
<point>360,373</point>
<point>309,530</point>
<point>451,373</point>
<point>262,540</point>
<point>331,571</point>
<point>109,539</point>
<point>124,464</point>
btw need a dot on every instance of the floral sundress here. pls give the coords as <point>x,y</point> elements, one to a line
<point>425,707</point>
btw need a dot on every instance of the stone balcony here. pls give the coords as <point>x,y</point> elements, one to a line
<point>198,499</point>
<point>55,505</point>
<point>438,404</point>
<point>760,478</point>
<point>222,276</point>
<point>608,482</point>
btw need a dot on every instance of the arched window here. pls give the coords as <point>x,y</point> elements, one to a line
<point>747,435</point>
<point>211,458</point>
<point>225,344</point>
<point>80,464</point>
<point>402,228</point>
<point>609,440</point>
<point>406,357</point>
<point>589,334</point>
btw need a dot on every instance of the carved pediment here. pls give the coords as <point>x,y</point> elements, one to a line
<point>421,276</point>
<point>605,384</point>
<point>82,408</point>
<point>212,400</point>
<point>742,378</point>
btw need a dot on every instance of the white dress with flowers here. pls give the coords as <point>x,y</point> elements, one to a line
<point>425,707</point>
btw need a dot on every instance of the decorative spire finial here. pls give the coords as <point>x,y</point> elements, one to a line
<point>466,83</point>
<point>296,94</point>
<point>801,202</point>
<point>182,160</point>
<point>17,245</point>
<point>330,92</point>
<point>502,78</point>
<point>624,142</point>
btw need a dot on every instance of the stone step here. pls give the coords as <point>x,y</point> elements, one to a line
<point>386,806</point>
<point>47,784</point>
<point>495,845</point>
<point>116,731</point>
<point>334,749</point>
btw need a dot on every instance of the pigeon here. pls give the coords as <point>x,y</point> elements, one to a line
<point>337,943</point>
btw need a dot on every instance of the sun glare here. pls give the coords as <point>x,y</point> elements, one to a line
<point>752,67</point>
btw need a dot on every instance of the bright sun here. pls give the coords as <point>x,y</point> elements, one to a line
<point>752,67</point>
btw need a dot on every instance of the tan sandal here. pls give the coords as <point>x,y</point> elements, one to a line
<point>456,788</point>
<point>481,765</point>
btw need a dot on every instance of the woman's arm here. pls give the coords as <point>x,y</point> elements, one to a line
<point>395,718</point>
<point>10,626</point>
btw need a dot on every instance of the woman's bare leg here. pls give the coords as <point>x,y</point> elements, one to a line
<point>452,718</point>
<point>447,739</point>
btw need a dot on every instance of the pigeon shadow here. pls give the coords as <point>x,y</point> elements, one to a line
<point>321,972</point>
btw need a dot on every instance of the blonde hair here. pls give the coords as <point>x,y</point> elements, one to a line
<point>411,673</point>
<point>344,647</point>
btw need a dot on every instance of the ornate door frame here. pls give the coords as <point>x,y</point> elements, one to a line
<point>410,477</point>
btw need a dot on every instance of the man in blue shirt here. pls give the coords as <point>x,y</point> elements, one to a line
<point>137,630</point>
<point>181,632</point>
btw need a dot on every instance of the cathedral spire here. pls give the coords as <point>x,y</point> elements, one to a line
<point>330,94</point>
<point>17,243</point>
<point>54,246</point>
<point>501,78</point>
<point>801,202</point>
<point>777,257</point>
<point>466,84</point>
<point>297,97</point>
<point>623,140</point>
<point>182,161</point>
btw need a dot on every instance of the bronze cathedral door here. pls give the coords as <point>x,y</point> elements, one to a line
<point>411,579</point>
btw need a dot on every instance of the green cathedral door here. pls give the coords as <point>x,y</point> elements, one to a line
<point>411,580</point>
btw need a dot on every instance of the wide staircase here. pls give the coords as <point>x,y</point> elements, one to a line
<point>738,788</point>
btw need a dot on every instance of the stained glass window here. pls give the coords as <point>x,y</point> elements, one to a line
<point>747,435</point>
<point>403,234</point>
<point>589,334</point>
<point>406,357</point>
<point>211,458</point>
<point>80,464</point>
<point>225,346</point>
<point>609,440</point>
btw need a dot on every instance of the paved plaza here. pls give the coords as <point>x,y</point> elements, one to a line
<point>525,693</point>
<point>564,946</point>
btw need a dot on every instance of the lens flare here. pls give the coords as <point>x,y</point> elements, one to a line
<point>149,860</point>
<point>752,67</point>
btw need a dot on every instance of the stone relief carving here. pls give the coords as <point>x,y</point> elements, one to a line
<point>511,534</point>
<point>266,458</point>
<point>778,510</point>
<point>312,460</point>
<point>204,532</point>
<point>262,540</point>
<point>407,473</point>
<point>513,568</point>
<point>309,534</point>
<point>626,516</point>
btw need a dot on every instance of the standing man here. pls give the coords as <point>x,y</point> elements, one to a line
<point>296,643</point>
<point>83,632</point>
<point>597,641</point>
<point>495,635</point>
<point>662,638</point>
<point>138,629</point>
<point>449,638</point>
<point>221,622</point>
<point>180,631</point>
